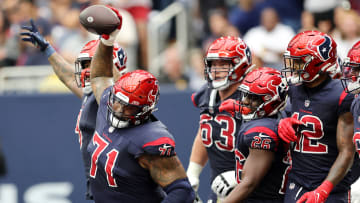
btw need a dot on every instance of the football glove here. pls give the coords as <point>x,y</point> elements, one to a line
<point>193,173</point>
<point>230,105</point>
<point>32,35</point>
<point>109,39</point>
<point>319,195</point>
<point>286,129</point>
<point>356,140</point>
<point>224,183</point>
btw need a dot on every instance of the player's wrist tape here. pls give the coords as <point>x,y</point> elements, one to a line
<point>49,50</point>
<point>194,169</point>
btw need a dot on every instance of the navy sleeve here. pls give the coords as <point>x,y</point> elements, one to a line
<point>345,101</point>
<point>163,146</point>
<point>355,110</point>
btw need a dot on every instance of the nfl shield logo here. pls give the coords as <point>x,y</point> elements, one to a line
<point>307,103</point>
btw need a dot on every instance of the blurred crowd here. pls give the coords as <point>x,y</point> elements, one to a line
<point>265,25</point>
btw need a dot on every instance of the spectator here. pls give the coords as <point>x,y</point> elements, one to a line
<point>173,69</point>
<point>5,42</point>
<point>218,23</point>
<point>268,41</point>
<point>196,70</point>
<point>348,30</point>
<point>245,15</point>
<point>307,21</point>
<point>323,13</point>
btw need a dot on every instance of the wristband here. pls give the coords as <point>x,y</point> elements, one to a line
<point>194,169</point>
<point>49,50</point>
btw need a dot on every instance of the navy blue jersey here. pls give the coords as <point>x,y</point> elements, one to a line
<point>218,130</point>
<point>85,127</point>
<point>355,110</point>
<point>262,134</point>
<point>316,149</point>
<point>116,175</point>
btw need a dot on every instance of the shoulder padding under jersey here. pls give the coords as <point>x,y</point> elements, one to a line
<point>201,97</point>
<point>151,138</point>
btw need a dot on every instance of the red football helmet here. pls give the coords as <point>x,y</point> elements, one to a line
<point>351,70</point>
<point>132,99</point>
<point>82,63</point>
<point>308,54</point>
<point>264,93</point>
<point>236,52</point>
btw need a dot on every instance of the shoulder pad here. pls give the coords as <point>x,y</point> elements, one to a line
<point>152,138</point>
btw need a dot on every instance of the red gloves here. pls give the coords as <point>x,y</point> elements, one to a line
<point>230,105</point>
<point>286,129</point>
<point>109,39</point>
<point>318,195</point>
<point>356,140</point>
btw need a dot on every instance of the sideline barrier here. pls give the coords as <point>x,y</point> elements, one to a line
<point>42,152</point>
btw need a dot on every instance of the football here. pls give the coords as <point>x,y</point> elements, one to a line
<point>99,19</point>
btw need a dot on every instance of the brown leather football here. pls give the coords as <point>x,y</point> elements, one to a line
<point>99,19</point>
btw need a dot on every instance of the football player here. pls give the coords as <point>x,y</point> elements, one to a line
<point>133,155</point>
<point>227,61</point>
<point>321,124</point>
<point>261,156</point>
<point>78,81</point>
<point>351,84</point>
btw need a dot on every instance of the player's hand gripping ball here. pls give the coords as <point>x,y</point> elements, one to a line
<point>100,19</point>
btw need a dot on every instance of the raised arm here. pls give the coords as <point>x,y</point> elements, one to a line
<point>101,70</point>
<point>101,66</point>
<point>64,70</point>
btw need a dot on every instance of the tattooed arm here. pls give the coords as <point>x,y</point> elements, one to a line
<point>65,72</point>
<point>344,160</point>
<point>163,170</point>
<point>169,173</point>
<point>101,70</point>
<point>62,68</point>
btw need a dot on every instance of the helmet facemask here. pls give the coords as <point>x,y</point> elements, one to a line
<point>264,93</point>
<point>228,66</point>
<point>251,105</point>
<point>121,114</point>
<point>295,69</point>
<point>82,72</point>
<point>351,79</point>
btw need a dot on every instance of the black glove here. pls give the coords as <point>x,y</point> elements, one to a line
<point>34,36</point>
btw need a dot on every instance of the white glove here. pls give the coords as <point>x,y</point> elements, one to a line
<point>109,39</point>
<point>224,183</point>
<point>193,173</point>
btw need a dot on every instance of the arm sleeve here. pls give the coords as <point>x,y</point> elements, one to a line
<point>179,191</point>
